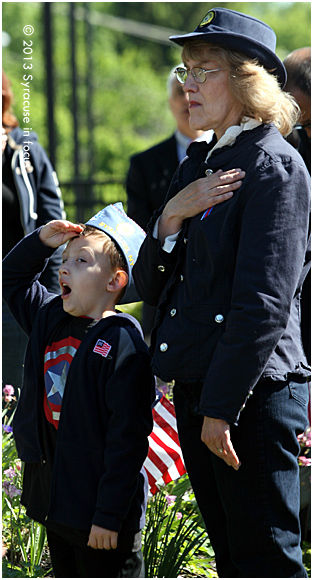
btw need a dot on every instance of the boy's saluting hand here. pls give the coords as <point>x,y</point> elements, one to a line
<point>57,232</point>
<point>102,539</point>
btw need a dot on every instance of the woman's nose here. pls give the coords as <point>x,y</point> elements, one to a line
<point>190,84</point>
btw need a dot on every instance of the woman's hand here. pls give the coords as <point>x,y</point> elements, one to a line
<point>197,197</point>
<point>57,232</point>
<point>216,435</point>
<point>102,539</point>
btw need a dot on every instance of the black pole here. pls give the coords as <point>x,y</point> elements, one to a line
<point>74,89</point>
<point>50,81</point>
<point>79,193</point>
<point>89,91</point>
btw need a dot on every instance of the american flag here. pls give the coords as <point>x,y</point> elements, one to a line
<point>164,462</point>
<point>102,347</point>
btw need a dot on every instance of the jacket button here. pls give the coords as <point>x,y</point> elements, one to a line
<point>161,268</point>
<point>185,240</point>
<point>219,318</point>
<point>208,172</point>
<point>173,312</point>
<point>163,347</point>
<point>182,278</point>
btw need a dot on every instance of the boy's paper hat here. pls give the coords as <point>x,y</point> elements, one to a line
<point>113,221</point>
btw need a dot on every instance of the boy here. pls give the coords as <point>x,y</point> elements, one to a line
<point>83,419</point>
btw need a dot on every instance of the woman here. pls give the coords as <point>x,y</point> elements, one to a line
<point>227,281</point>
<point>30,198</point>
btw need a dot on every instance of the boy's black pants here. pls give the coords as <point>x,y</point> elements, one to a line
<point>72,561</point>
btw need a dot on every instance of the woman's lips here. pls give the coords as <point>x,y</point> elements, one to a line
<point>194,104</point>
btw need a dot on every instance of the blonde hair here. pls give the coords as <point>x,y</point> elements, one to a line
<point>250,84</point>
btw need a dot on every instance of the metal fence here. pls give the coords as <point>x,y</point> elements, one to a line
<point>83,198</point>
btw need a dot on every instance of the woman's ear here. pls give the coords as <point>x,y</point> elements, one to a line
<point>118,281</point>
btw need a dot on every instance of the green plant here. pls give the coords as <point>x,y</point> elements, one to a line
<point>31,540</point>
<point>24,540</point>
<point>175,540</point>
<point>306,551</point>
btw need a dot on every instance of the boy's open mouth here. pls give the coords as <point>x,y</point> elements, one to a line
<point>65,289</point>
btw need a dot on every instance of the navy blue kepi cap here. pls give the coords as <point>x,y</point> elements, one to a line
<point>242,33</point>
<point>113,221</point>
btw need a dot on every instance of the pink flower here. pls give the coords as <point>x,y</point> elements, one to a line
<point>170,499</point>
<point>11,473</point>
<point>18,465</point>
<point>8,390</point>
<point>179,516</point>
<point>305,438</point>
<point>303,460</point>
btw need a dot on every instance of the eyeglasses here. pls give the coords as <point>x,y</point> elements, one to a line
<point>198,74</point>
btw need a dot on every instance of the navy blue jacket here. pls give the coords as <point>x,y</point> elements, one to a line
<point>229,294</point>
<point>38,193</point>
<point>106,416</point>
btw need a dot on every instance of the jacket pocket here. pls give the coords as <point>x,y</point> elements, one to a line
<point>213,315</point>
<point>299,392</point>
<point>209,324</point>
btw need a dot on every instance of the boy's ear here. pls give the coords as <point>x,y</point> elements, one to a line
<point>118,281</point>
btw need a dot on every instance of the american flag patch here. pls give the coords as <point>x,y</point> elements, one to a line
<point>102,347</point>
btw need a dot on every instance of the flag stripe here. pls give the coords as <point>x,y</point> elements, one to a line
<point>164,437</point>
<point>152,469</point>
<point>155,458</point>
<point>161,453</point>
<point>164,462</point>
<point>167,415</point>
<point>169,406</point>
<point>173,453</point>
<point>167,428</point>
<point>151,481</point>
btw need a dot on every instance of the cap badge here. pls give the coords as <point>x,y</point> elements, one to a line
<point>209,17</point>
<point>125,229</point>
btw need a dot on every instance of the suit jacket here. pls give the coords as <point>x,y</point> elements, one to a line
<point>299,139</point>
<point>148,180</point>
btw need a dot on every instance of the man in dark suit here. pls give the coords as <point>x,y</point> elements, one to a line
<point>298,66</point>
<point>151,171</point>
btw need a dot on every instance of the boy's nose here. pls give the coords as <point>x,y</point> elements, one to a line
<point>64,268</point>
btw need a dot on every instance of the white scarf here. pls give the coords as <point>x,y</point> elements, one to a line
<point>232,133</point>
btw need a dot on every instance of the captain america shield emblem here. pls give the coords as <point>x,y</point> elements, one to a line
<point>57,361</point>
